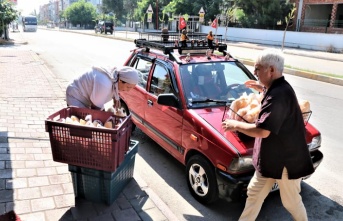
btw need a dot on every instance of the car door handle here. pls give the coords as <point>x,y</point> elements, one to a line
<point>150,103</point>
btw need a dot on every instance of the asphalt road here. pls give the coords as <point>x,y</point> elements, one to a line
<point>68,54</point>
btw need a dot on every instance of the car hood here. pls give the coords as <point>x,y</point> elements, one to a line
<point>214,117</point>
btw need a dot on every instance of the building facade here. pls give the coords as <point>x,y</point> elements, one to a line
<point>51,13</point>
<point>322,16</point>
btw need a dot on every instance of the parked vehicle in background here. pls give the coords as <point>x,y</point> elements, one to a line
<point>29,23</point>
<point>183,95</point>
<point>104,27</point>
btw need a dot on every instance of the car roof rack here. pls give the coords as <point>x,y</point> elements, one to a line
<point>168,42</point>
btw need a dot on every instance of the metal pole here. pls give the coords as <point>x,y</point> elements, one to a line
<point>156,14</point>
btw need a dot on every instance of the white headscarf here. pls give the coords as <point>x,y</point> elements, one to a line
<point>124,73</point>
<point>128,74</point>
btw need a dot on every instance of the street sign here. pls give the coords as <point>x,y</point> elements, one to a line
<point>149,10</point>
<point>201,17</point>
<point>149,18</point>
<point>201,11</point>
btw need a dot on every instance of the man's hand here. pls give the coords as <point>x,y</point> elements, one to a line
<point>229,125</point>
<point>254,85</point>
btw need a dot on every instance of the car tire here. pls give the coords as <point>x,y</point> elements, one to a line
<point>201,180</point>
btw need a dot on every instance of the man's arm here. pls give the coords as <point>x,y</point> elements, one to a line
<point>246,128</point>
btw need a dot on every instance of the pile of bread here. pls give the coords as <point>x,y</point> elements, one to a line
<point>247,108</point>
<point>112,122</point>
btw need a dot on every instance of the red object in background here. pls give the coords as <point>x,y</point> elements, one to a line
<point>214,23</point>
<point>182,23</point>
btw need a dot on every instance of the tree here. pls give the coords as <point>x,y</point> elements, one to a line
<point>81,12</point>
<point>191,7</point>
<point>7,15</point>
<point>114,6</point>
<point>288,19</point>
<point>262,14</point>
<point>129,6</point>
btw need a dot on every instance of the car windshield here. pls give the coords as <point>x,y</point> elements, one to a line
<point>215,83</point>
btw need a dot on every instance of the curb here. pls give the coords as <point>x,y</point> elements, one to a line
<point>156,199</point>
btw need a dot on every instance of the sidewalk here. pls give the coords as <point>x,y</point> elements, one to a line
<point>31,183</point>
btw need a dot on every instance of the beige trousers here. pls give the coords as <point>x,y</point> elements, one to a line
<point>259,188</point>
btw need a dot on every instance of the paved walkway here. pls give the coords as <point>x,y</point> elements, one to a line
<point>31,183</point>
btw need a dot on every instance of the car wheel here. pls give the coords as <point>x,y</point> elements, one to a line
<point>123,104</point>
<point>201,180</point>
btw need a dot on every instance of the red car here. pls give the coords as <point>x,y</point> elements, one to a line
<point>180,102</point>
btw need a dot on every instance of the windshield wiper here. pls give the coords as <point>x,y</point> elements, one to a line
<point>209,100</point>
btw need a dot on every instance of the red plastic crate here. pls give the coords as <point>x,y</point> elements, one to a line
<point>85,146</point>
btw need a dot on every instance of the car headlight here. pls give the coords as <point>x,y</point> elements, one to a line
<point>241,164</point>
<point>315,143</point>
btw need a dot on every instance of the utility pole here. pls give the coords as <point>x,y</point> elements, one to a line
<point>156,14</point>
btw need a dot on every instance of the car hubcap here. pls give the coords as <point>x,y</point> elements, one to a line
<point>198,179</point>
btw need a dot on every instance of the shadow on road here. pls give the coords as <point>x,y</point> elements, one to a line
<point>318,206</point>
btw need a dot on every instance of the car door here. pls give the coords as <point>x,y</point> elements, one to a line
<point>163,121</point>
<point>136,99</point>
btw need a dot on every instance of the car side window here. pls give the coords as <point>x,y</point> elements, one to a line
<point>160,82</point>
<point>143,68</point>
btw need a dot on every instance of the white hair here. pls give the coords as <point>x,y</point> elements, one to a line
<point>271,57</point>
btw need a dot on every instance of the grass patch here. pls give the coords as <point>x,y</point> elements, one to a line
<point>315,72</point>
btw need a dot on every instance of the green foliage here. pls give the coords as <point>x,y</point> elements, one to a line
<point>114,6</point>
<point>105,17</point>
<point>251,14</point>
<point>81,13</point>
<point>129,7</point>
<point>7,15</point>
<point>288,19</point>
<point>263,13</point>
<point>290,16</point>
<point>191,7</point>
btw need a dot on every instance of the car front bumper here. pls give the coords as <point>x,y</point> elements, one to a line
<point>233,187</point>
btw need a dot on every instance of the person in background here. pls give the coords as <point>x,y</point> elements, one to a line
<point>94,88</point>
<point>184,38</point>
<point>210,40</point>
<point>280,152</point>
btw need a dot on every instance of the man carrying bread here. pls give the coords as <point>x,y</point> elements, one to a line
<point>280,151</point>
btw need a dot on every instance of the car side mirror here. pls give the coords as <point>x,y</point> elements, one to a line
<point>168,100</point>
